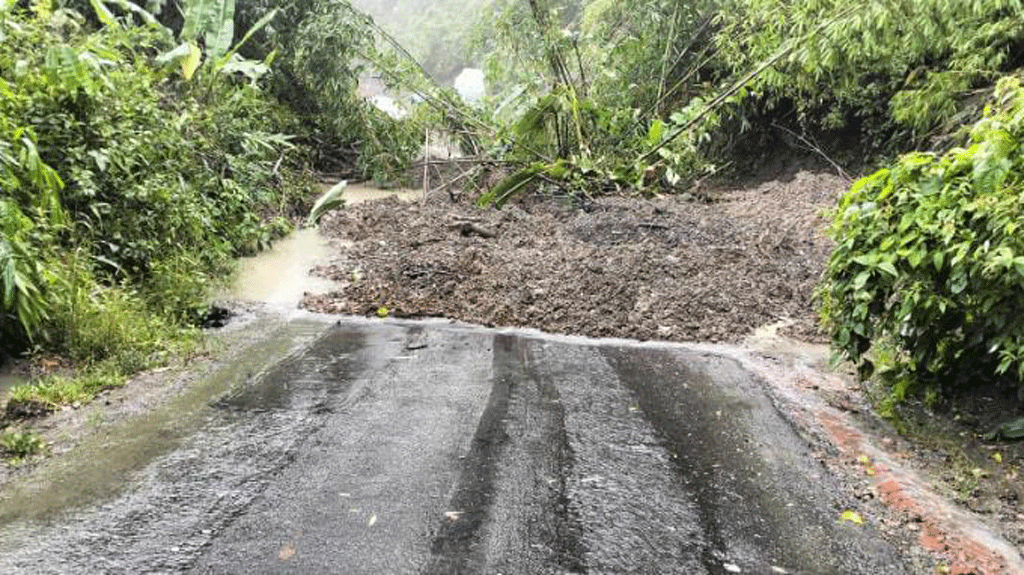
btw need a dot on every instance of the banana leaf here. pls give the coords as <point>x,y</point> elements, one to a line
<point>332,199</point>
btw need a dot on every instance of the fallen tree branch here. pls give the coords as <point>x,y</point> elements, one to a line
<point>817,150</point>
<point>736,87</point>
<point>467,227</point>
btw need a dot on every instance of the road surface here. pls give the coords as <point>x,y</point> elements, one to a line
<point>389,447</point>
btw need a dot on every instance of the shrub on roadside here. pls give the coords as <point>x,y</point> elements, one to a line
<point>20,445</point>
<point>894,73</point>
<point>124,192</point>
<point>930,258</point>
<point>117,175</point>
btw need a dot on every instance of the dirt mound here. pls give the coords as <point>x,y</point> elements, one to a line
<point>670,268</point>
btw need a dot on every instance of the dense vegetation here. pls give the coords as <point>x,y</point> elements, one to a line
<point>661,91</point>
<point>930,259</point>
<point>143,147</point>
<point>137,160</point>
<point>654,94</point>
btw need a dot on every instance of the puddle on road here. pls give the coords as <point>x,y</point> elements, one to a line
<point>8,381</point>
<point>104,462</point>
<point>329,363</point>
<point>280,276</point>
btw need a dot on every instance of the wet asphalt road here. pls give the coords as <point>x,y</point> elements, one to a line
<point>403,448</point>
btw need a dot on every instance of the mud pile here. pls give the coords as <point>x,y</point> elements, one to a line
<point>672,268</point>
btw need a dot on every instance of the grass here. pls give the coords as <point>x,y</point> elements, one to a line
<point>21,445</point>
<point>56,391</point>
<point>108,334</point>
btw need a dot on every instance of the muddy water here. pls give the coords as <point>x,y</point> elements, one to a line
<point>104,462</point>
<point>357,194</point>
<point>280,276</point>
<point>767,340</point>
<point>7,381</point>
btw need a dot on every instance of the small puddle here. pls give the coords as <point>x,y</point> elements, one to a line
<point>8,381</point>
<point>104,462</point>
<point>280,276</point>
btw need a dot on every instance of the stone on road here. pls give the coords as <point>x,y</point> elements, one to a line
<point>436,449</point>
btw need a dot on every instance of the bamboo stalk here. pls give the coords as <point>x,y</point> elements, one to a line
<point>750,76</point>
<point>426,163</point>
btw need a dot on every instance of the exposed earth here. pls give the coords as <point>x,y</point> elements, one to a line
<point>707,267</point>
<point>732,265</point>
<point>713,265</point>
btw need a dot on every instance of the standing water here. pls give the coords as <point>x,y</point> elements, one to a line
<point>8,381</point>
<point>281,276</point>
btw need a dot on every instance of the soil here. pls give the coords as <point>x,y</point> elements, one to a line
<point>709,266</point>
<point>712,265</point>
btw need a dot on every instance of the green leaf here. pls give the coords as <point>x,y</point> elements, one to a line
<point>222,34</point>
<point>180,51</point>
<point>1012,429</point>
<point>146,16</point>
<point>513,184</point>
<point>851,516</point>
<point>868,260</point>
<point>861,280</point>
<point>958,284</point>
<point>328,201</point>
<point>888,268</point>
<point>103,14</point>
<point>259,25</point>
<point>655,134</point>
<point>191,62</point>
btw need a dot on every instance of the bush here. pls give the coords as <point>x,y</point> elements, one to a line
<point>22,304</point>
<point>91,323</point>
<point>148,183</point>
<point>891,73</point>
<point>930,257</point>
<point>21,445</point>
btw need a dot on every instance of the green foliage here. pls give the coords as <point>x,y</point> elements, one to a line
<point>22,444</point>
<point>53,392</point>
<point>124,193</point>
<point>212,20</point>
<point>152,171</point>
<point>864,72</point>
<point>1012,430</point>
<point>578,104</point>
<point>91,323</point>
<point>320,48</point>
<point>652,94</point>
<point>331,199</point>
<point>21,295</point>
<point>930,256</point>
